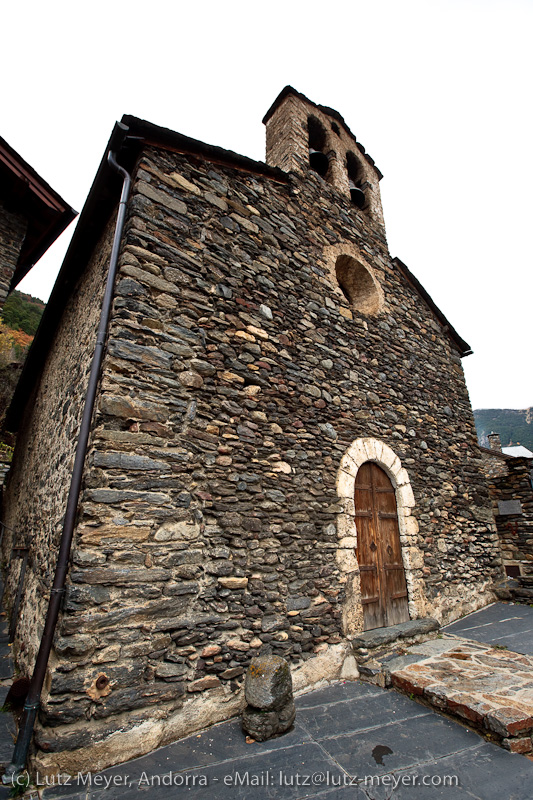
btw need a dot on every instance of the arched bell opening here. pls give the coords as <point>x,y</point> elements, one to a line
<point>355,181</point>
<point>318,160</point>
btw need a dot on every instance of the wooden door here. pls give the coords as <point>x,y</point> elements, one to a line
<point>383,587</point>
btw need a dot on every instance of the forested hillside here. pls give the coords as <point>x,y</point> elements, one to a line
<point>22,312</point>
<point>19,321</point>
<point>514,425</point>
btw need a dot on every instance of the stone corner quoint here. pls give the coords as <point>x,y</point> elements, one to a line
<point>282,452</point>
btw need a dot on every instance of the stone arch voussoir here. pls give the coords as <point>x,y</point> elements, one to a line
<point>359,452</point>
<point>373,299</point>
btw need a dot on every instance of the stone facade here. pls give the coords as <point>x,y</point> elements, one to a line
<point>262,346</point>
<point>510,481</point>
<point>12,231</point>
<point>494,464</point>
<point>512,500</point>
<point>494,461</point>
<point>36,492</point>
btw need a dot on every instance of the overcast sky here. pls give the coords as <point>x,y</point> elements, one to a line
<point>438,91</point>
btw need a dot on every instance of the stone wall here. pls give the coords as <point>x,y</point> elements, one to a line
<point>237,378</point>
<point>36,490</point>
<point>12,233</point>
<point>515,529</point>
<point>494,463</point>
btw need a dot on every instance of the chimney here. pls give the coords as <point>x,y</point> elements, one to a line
<point>494,442</point>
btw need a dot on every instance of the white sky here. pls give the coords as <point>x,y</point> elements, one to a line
<point>438,91</point>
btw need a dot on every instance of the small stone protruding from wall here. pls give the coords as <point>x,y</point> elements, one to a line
<point>270,708</point>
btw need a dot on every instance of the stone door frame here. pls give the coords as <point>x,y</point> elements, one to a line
<point>360,451</point>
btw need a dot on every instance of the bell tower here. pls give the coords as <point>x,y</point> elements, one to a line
<point>303,137</point>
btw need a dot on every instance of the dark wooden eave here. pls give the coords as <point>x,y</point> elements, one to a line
<point>178,143</point>
<point>496,453</point>
<point>24,192</point>
<point>462,346</point>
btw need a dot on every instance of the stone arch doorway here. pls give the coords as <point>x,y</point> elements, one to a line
<point>373,450</point>
<point>379,552</point>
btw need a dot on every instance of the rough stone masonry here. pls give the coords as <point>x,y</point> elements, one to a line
<point>263,345</point>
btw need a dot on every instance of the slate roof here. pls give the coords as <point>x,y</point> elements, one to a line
<point>518,451</point>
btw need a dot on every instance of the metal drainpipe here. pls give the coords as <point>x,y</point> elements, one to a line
<point>57,592</point>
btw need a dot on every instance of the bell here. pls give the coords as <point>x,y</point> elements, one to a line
<point>318,161</point>
<point>357,194</point>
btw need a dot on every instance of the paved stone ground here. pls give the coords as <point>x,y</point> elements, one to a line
<point>486,685</point>
<point>501,623</point>
<point>345,732</point>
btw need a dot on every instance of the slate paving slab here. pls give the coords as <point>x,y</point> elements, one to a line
<point>484,772</point>
<point>337,739</point>
<point>506,624</point>
<point>396,746</point>
<point>348,690</point>
<point>287,772</point>
<point>369,712</point>
<point>220,743</point>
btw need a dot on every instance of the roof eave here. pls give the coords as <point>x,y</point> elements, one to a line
<point>463,347</point>
<point>48,214</point>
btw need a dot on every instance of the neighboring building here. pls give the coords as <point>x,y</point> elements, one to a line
<point>32,216</point>
<point>283,452</point>
<point>510,474</point>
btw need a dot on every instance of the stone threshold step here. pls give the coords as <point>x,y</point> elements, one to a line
<point>523,593</point>
<point>373,649</point>
<point>379,637</point>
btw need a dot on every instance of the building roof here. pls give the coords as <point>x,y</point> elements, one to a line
<point>24,191</point>
<point>518,451</point>
<point>330,112</point>
<point>128,139</point>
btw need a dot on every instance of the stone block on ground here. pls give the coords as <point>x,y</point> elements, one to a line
<point>270,708</point>
<point>268,683</point>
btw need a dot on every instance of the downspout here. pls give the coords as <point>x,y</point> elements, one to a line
<point>32,704</point>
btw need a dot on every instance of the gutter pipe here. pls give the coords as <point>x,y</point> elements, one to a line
<point>57,593</point>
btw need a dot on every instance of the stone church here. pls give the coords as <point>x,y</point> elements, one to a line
<point>282,452</point>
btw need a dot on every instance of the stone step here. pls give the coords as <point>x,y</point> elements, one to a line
<point>379,637</point>
<point>375,648</point>
<point>486,687</point>
<point>522,595</point>
<point>526,580</point>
